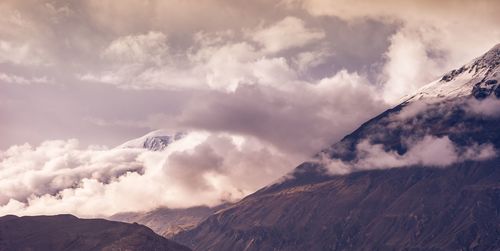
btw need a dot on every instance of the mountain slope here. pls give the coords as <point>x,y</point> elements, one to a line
<point>442,193</point>
<point>406,208</point>
<point>168,222</point>
<point>480,77</point>
<point>67,232</point>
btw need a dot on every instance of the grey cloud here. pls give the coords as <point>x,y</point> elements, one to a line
<point>300,120</point>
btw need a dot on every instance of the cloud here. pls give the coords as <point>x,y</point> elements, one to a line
<point>142,48</point>
<point>412,109</point>
<point>489,107</point>
<point>306,111</point>
<point>277,37</point>
<point>15,79</point>
<point>433,37</point>
<point>430,151</point>
<point>199,169</point>
<point>288,81</point>
<point>409,63</point>
<point>142,61</point>
<point>23,54</point>
<point>19,49</point>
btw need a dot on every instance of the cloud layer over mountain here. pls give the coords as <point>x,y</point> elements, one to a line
<point>199,169</point>
<point>287,77</point>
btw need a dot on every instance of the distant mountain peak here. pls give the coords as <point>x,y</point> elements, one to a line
<point>154,141</point>
<point>480,78</point>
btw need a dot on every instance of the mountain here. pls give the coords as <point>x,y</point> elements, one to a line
<point>168,222</point>
<point>67,232</point>
<point>479,78</point>
<point>423,175</point>
<point>417,208</point>
<point>153,141</point>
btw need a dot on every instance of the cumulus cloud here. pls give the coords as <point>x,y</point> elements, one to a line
<point>199,169</point>
<point>431,38</point>
<point>213,62</point>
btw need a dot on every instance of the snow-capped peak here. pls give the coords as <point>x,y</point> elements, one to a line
<point>479,78</point>
<point>153,141</point>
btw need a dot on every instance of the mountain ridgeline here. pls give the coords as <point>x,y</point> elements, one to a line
<point>424,175</point>
<point>67,232</point>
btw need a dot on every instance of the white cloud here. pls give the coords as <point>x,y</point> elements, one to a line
<point>143,61</point>
<point>142,48</point>
<point>15,79</point>
<point>434,36</point>
<point>409,63</point>
<point>20,53</point>
<point>428,151</point>
<point>489,107</point>
<point>201,168</point>
<point>308,59</point>
<point>412,109</point>
<point>288,33</point>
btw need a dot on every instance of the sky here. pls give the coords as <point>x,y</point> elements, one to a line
<point>270,82</point>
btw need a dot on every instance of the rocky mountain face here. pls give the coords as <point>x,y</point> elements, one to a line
<point>67,232</point>
<point>168,222</point>
<point>423,175</point>
<point>416,208</point>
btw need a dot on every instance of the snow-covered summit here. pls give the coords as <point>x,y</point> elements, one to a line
<point>153,141</point>
<point>479,78</point>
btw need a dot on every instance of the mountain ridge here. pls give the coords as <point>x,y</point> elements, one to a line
<point>436,153</point>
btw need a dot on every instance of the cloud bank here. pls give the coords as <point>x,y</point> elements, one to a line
<point>430,151</point>
<point>199,169</point>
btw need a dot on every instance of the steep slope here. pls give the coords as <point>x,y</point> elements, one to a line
<point>67,232</point>
<point>406,208</point>
<point>467,119</point>
<point>441,189</point>
<point>168,222</point>
<point>480,77</point>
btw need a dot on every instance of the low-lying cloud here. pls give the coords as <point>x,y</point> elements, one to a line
<point>199,169</point>
<point>430,151</point>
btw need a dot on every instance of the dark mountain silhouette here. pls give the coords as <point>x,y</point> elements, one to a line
<point>67,232</point>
